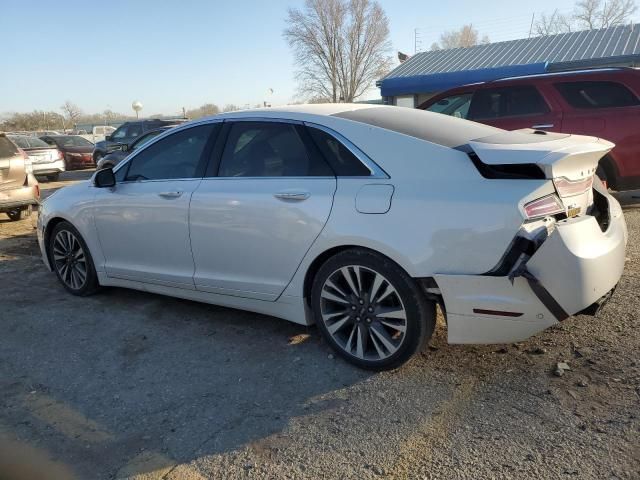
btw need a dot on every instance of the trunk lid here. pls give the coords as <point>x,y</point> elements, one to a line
<point>569,160</point>
<point>42,154</point>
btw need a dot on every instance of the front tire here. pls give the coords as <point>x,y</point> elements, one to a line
<point>71,260</point>
<point>370,311</point>
<point>20,213</point>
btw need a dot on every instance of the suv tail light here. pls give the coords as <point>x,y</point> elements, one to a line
<point>568,188</point>
<point>549,205</point>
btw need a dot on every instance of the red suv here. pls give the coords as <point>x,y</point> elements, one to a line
<point>601,102</point>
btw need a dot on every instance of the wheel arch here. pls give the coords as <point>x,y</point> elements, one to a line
<point>319,260</point>
<point>610,169</point>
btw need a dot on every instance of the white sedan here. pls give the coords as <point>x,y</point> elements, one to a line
<point>358,218</point>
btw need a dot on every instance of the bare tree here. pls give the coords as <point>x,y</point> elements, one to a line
<point>466,37</point>
<point>230,107</point>
<point>71,111</point>
<point>342,47</point>
<point>203,111</point>
<point>587,14</point>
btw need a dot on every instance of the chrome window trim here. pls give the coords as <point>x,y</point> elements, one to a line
<point>170,131</point>
<point>374,168</point>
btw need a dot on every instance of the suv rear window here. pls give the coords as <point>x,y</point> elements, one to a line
<point>597,94</point>
<point>507,102</point>
<point>7,148</point>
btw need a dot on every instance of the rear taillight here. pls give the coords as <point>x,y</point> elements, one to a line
<point>549,205</point>
<point>59,155</point>
<point>568,188</point>
<point>37,187</point>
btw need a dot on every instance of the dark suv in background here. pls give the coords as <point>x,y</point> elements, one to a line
<point>602,103</point>
<point>127,133</point>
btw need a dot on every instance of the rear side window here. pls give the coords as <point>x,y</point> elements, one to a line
<point>342,161</point>
<point>7,148</point>
<point>507,102</point>
<point>597,94</point>
<point>268,149</point>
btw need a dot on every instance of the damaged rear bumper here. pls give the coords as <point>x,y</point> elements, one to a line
<point>576,267</point>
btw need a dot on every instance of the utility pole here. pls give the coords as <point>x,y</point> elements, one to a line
<point>531,27</point>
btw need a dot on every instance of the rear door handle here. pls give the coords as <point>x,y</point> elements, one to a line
<point>544,125</point>
<point>292,195</point>
<point>170,194</point>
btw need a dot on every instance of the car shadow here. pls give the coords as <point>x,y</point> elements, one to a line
<point>145,381</point>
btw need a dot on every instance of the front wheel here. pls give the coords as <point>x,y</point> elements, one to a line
<point>370,311</point>
<point>71,260</point>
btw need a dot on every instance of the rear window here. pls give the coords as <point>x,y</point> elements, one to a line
<point>507,102</point>
<point>597,94</point>
<point>29,142</point>
<point>7,148</point>
<point>432,127</point>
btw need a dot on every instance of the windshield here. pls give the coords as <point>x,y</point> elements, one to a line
<point>71,141</point>
<point>29,142</point>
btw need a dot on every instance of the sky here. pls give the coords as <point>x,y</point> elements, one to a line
<point>173,54</point>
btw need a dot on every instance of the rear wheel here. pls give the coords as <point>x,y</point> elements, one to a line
<point>602,175</point>
<point>370,311</point>
<point>71,260</point>
<point>20,213</point>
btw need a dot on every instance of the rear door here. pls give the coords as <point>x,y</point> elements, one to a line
<point>255,216</point>
<point>12,171</point>
<point>514,107</point>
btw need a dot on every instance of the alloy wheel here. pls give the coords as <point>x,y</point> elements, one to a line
<point>70,260</point>
<point>363,312</point>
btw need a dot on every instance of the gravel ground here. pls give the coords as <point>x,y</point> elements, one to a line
<point>132,385</point>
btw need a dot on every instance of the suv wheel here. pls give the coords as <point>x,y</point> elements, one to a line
<point>370,311</point>
<point>20,213</point>
<point>71,260</point>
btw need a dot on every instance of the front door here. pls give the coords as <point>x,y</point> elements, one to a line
<point>143,222</point>
<point>252,224</point>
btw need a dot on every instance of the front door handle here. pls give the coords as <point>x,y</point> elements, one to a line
<point>544,125</point>
<point>292,195</point>
<point>170,194</point>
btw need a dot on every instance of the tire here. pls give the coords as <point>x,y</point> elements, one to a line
<point>602,175</point>
<point>97,156</point>
<point>53,177</point>
<point>20,213</point>
<point>343,310</point>
<point>70,258</point>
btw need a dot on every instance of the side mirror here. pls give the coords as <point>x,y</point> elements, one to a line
<point>104,178</point>
<point>107,137</point>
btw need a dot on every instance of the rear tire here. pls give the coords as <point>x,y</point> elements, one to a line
<point>70,258</point>
<point>370,311</point>
<point>602,175</point>
<point>20,213</point>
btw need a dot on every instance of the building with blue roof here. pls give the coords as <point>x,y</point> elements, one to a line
<point>428,73</point>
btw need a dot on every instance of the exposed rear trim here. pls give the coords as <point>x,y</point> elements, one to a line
<point>545,297</point>
<point>500,313</point>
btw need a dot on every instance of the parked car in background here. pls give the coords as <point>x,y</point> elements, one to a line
<point>126,134</point>
<point>40,133</point>
<point>19,189</point>
<point>97,134</point>
<point>601,102</point>
<point>77,151</point>
<point>47,160</point>
<point>112,159</point>
<point>359,218</point>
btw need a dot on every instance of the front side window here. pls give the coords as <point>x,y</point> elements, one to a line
<point>268,149</point>
<point>455,105</point>
<point>507,102</point>
<point>180,155</point>
<point>589,95</point>
<point>120,132</point>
